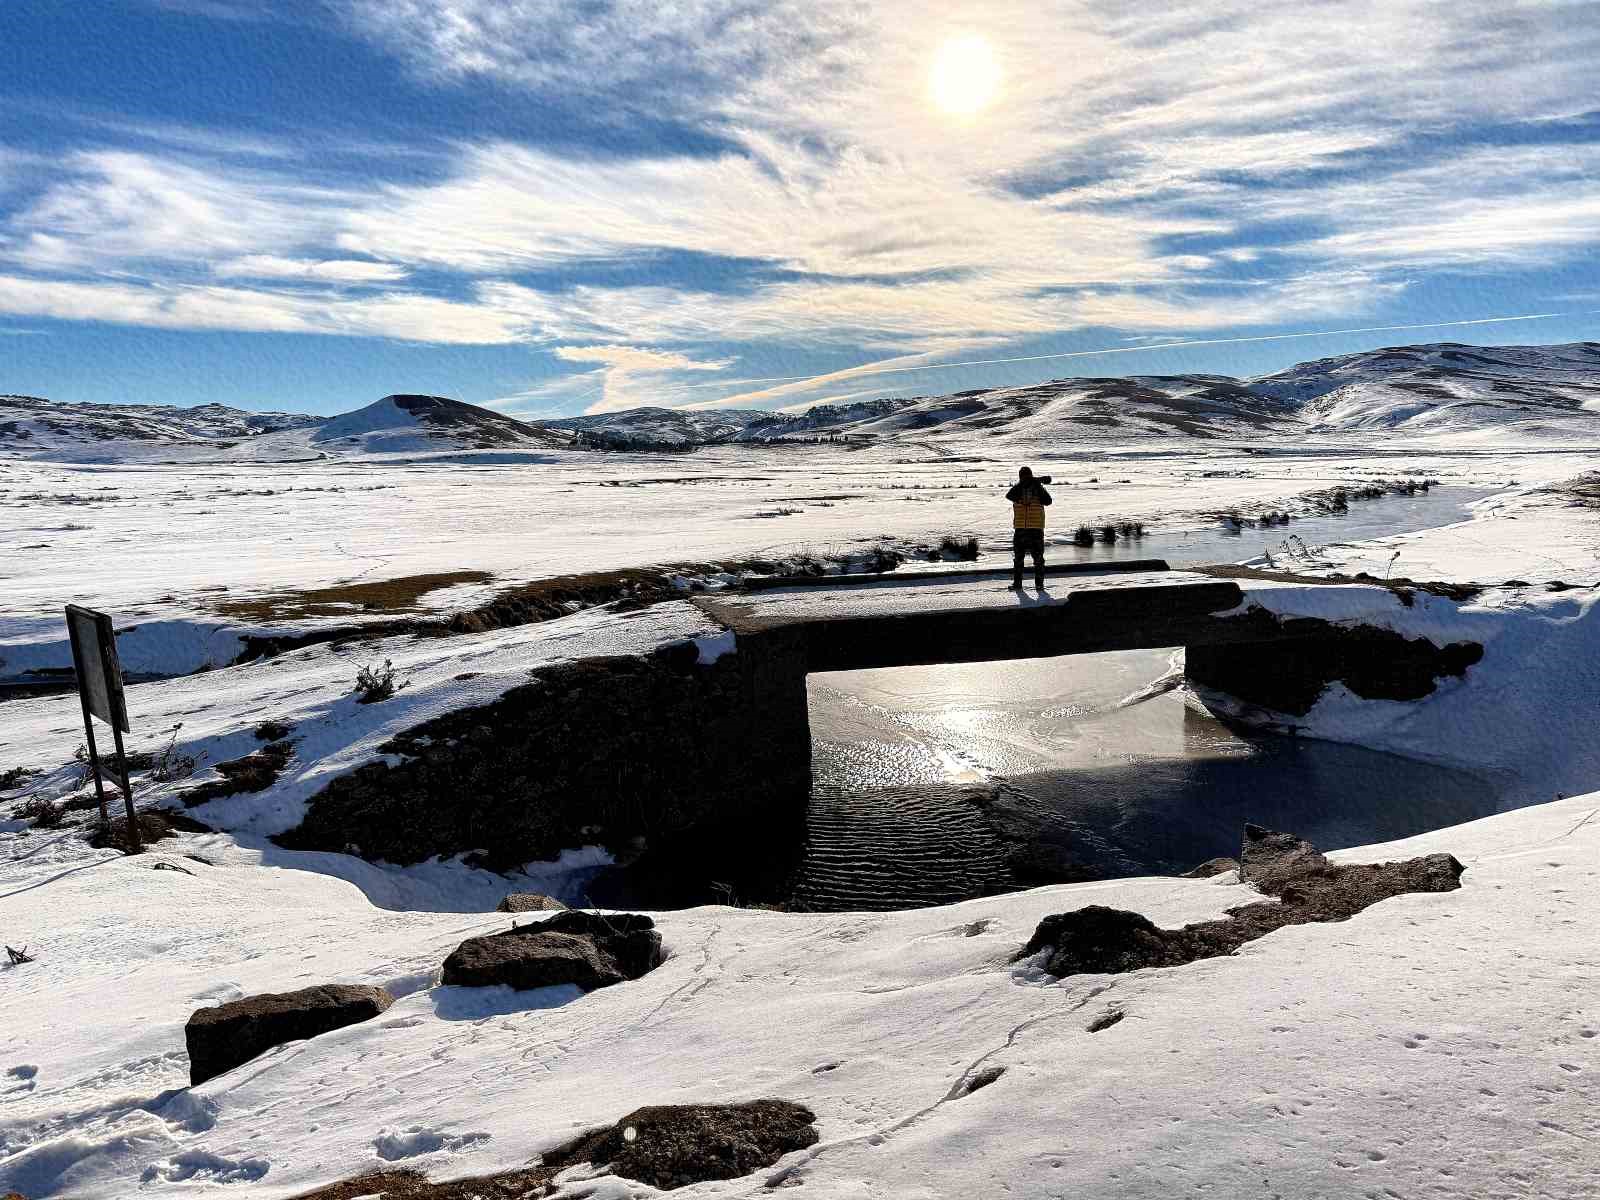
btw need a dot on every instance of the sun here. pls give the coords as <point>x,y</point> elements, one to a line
<point>965,76</point>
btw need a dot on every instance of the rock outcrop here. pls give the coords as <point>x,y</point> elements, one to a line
<point>684,747</point>
<point>592,950</point>
<point>526,902</point>
<point>222,1037</point>
<point>672,1145</point>
<point>1100,940</point>
<point>1297,658</point>
<point>1210,868</point>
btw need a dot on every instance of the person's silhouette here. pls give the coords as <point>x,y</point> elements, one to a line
<point>1028,502</point>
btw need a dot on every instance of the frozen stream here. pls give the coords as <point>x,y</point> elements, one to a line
<point>1142,779</point>
<point>1366,521</point>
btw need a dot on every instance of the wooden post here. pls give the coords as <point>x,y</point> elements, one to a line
<point>127,794</point>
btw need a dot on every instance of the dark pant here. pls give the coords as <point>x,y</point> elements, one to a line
<point>1024,542</point>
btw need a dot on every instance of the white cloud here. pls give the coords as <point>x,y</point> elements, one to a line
<point>395,315</point>
<point>271,266</point>
<point>876,224</point>
<point>638,358</point>
<point>113,208</point>
<point>631,376</point>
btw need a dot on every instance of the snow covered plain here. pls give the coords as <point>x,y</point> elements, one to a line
<point>1434,1046</point>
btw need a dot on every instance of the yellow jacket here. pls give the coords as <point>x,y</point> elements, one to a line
<point>1027,514</point>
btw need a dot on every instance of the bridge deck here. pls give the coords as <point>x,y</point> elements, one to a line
<point>847,623</point>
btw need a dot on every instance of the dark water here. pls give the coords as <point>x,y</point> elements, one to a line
<point>937,783</point>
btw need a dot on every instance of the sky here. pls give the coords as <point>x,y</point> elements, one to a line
<point>564,206</point>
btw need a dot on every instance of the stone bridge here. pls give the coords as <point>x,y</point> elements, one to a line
<point>660,745</point>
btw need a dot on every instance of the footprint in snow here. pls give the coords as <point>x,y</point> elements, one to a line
<point>202,1166</point>
<point>395,1144</point>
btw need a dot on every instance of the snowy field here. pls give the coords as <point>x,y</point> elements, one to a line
<point>1433,1046</point>
<point>181,551</point>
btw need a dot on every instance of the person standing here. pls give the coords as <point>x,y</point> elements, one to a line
<point>1028,502</point>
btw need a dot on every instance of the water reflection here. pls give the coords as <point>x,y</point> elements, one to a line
<point>1104,766</point>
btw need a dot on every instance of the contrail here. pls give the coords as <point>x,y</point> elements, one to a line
<point>1264,337</point>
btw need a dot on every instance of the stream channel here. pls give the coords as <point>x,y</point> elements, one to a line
<point>1103,764</point>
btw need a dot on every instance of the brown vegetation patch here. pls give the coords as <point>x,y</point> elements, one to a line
<point>154,826</point>
<point>379,595</point>
<point>1398,584</point>
<point>253,773</point>
<point>1584,490</point>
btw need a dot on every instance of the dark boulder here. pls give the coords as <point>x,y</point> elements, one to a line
<point>524,902</point>
<point>1105,941</point>
<point>222,1037</point>
<point>673,1145</point>
<point>1308,888</point>
<point>592,950</point>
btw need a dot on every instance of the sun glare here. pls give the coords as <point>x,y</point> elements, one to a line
<point>965,76</point>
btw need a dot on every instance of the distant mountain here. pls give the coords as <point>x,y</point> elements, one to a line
<point>31,427</point>
<point>407,424</point>
<point>29,422</point>
<point>1446,389</point>
<point>701,427</point>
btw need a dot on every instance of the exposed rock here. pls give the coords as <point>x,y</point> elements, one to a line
<point>1266,859</point>
<point>1289,674</point>
<point>591,950</point>
<point>685,748</point>
<point>1210,868</point>
<point>521,1184</point>
<point>222,1037</point>
<point>1100,940</point>
<point>1097,940</point>
<point>523,902</point>
<point>673,1145</point>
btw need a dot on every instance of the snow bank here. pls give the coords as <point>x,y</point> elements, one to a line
<point>1526,713</point>
<point>1442,1045</point>
<point>312,690</point>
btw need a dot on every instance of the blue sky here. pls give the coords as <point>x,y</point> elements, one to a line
<point>555,206</point>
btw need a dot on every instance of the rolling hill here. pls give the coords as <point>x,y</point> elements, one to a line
<point>1441,390</point>
<point>33,428</point>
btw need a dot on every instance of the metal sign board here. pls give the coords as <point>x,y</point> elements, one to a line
<point>94,658</point>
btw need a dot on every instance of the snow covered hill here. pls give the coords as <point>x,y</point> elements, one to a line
<point>411,423</point>
<point>31,427</point>
<point>1538,392</point>
<point>46,430</point>
<point>1447,387</point>
<point>699,427</point>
